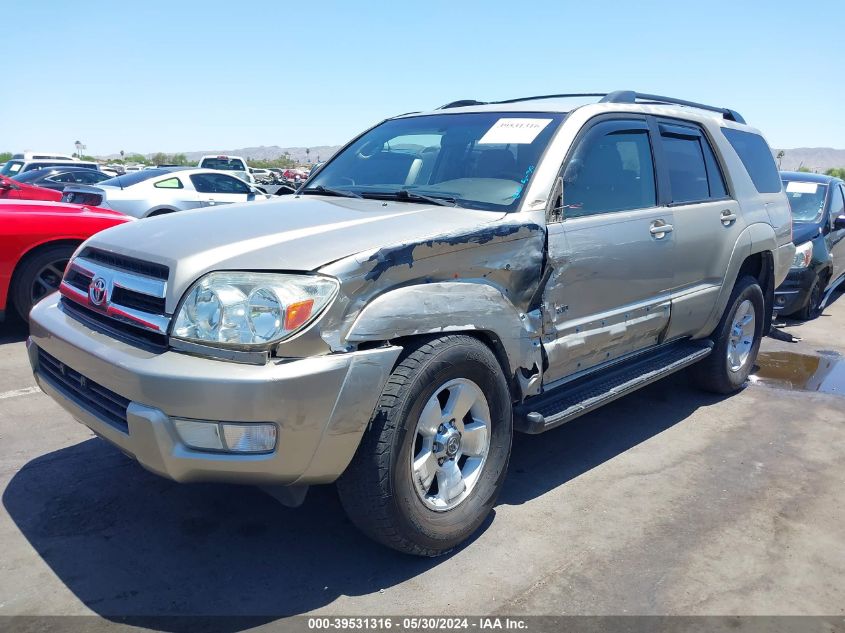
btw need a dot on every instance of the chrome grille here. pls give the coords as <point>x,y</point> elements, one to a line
<point>129,264</point>
<point>121,293</point>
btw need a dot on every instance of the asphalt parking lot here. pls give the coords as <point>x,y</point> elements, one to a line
<point>669,501</point>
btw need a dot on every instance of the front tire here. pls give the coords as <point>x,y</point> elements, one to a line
<point>736,341</point>
<point>812,309</point>
<point>433,461</point>
<point>39,275</point>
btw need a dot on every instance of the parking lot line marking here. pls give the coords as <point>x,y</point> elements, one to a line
<point>14,393</point>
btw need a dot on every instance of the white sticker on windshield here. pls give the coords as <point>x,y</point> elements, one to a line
<point>801,187</point>
<point>519,131</point>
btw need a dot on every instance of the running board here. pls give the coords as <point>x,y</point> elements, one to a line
<point>574,399</point>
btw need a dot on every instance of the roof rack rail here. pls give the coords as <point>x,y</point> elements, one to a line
<point>629,96</point>
<point>618,96</point>
<point>560,96</point>
<point>461,103</point>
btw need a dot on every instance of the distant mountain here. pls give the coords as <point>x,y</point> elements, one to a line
<point>263,152</point>
<point>266,152</point>
<point>813,158</point>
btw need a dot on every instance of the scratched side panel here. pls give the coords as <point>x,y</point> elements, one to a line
<point>608,294</point>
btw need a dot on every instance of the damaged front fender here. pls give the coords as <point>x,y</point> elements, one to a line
<point>478,280</point>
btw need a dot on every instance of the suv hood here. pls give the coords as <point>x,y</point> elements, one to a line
<point>294,233</point>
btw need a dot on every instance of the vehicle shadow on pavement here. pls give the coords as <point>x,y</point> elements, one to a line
<point>539,464</point>
<point>13,331</point>
<point>134,547</point>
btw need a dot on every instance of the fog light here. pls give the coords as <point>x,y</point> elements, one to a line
<point>201,434</point>
<point>249,438</point>
<point>225,436</point>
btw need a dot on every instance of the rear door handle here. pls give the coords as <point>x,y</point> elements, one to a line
<point>728,217</point>
<point>659,228</point>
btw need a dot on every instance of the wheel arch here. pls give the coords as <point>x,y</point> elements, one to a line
<point>162,210</point>
<point>31,252</point>
<point>475,309</point>
<point>754,255</point>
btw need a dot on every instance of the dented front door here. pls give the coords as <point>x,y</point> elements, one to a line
<point>611,253</point>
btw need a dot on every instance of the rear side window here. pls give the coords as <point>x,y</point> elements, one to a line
<point>222,162</point>
<point>755,154</point>
<point>170,183</point>
<point>694,174</point>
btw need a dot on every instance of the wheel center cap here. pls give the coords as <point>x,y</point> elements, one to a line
<point>453,445</point>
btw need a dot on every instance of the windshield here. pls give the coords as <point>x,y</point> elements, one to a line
<point>478,160</point>
<point>806,199</point>
<point>11,168</point>
<point>228,164</point>
<point>34,174</point>
<point>133,178</point>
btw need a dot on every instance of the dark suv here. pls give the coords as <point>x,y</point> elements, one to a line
<point>818,213</point>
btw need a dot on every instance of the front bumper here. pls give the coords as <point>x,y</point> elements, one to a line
<point>320,405</point>
<point>794,293</point>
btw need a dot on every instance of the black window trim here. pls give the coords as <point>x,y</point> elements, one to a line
<point>697,131</point>
<point>631,117</point>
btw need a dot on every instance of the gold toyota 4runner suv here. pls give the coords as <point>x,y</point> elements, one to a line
<point>446,278</point>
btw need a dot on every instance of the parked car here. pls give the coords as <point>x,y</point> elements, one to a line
<point>818,215</point>
<point>235,165</point>
<point>159,191</point>
<point>13,190</point>
<point>27,161</point>
<point>59,177</point>
<point>262,176</point>
<point>295,174</point>
<point>36,241</point>
<point>389,326</point>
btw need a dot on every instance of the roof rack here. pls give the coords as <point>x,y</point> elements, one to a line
<point>461,103</point>
<point>629,96</point>
<point>618,96</point>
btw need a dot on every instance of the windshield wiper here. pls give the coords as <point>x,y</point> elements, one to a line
<point>411,196</point>
<point>327,191</point>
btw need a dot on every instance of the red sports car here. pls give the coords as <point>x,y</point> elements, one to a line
<point>36,241</point>
<point>13,190</point>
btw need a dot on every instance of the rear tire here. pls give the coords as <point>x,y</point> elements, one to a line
<point>811,309</point>
<point>413,485</point>
<point>38,275</point>
<point>736,341</point>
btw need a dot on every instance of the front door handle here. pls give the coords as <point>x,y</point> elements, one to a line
<point>659,229</point>
<point>728,217</point>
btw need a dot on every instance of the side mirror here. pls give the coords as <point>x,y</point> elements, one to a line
<point>839,223</point>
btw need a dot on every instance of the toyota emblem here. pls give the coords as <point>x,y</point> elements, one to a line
<point>97,292</point>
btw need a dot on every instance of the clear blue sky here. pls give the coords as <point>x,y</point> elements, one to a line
<point>146,75</point>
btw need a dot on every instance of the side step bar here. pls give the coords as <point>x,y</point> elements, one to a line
<point>574,399</point>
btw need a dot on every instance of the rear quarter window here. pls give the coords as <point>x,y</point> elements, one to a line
<point>757,158</point>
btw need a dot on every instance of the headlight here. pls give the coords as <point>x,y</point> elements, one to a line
<point>803,255</point>
<point>250,309</point>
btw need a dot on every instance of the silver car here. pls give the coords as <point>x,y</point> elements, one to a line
<point>158,191</point>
